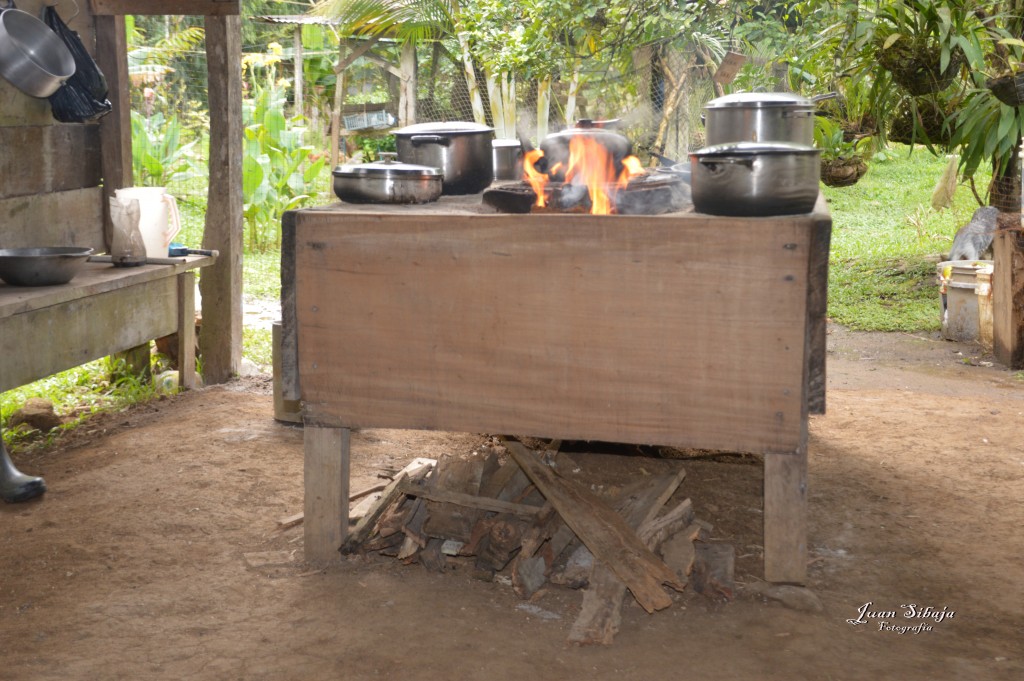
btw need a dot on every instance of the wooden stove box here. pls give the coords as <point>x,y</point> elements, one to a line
<point>683,329</point>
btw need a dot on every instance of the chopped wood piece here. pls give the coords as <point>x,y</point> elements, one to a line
<point>417,469</point>
<point>713,570</point>
<point>454,476</point>
<point>606,534</point>
<point>492,486</point>
<point>290,521</point>
<point>679,552</point>
<point>575,574</point>
<point>431,557</point>
<point>600,615</point>
<point>470,501</point>
<point>502,542</point>
<point>363,507</point>
<point>413,531</point>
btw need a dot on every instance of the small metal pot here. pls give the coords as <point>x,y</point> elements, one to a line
<point>760,117</point>
<point>47,266</point>
<point>507,156</point>
<point>32,57</point>
<point>461,150</point>
<point>755,178</point>
<point>387,181</point>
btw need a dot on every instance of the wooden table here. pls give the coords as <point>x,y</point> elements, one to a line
<point>682,330</point>
<point>103,310</point>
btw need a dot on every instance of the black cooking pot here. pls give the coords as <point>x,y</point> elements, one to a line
<point>556,146</point>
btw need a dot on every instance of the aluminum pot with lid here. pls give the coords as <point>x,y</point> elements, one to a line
<point>460,149</point>
<point>760,117</point>
<point>387,181</point>
<point>755,178</point>
<point>507,157</point>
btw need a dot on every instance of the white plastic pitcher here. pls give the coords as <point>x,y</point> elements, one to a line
<point>159,221</point>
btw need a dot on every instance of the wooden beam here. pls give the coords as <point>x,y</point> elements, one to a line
<point>187,331</point>
<point>115,127</point>
<point>407,85</point>
<point>325,480</point>
<point>165,7</point>
<point>298,60</point>
<point>1008,298</point>
<point>469,500</point>
<point>785,517</point>
<point>221,284</point>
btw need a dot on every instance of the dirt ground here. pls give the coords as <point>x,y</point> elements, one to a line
<point>156,552</point>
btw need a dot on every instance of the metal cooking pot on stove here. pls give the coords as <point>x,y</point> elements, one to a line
<point>507,156</point>
<point>461,150</point>
<point>556,145</point>
<point>387,181</point>
<point>755,178</point>
<point>761,117</point>
<point>32,57</point>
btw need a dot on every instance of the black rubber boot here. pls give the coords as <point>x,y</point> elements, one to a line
<point>15,486</point>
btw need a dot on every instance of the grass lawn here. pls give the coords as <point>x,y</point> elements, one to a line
<point>886,240</point>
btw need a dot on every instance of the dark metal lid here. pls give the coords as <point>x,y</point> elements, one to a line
<point>759,100</point>
<point>443,128</point>
<point>386,168</point>
<point>751,148</point>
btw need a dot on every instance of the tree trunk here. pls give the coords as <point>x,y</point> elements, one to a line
<point>479,115</point>
<point>543,106</point>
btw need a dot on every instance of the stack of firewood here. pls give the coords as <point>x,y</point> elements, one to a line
<point>531,514</point>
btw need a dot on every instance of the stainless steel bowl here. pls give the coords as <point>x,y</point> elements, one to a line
<point>48,266</point>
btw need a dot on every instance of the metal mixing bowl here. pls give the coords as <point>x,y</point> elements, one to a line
<point>41,266</point>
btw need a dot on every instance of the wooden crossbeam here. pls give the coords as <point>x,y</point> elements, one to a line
<point>165,7</point>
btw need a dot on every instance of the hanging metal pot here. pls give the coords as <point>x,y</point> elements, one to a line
<point>32,57</point>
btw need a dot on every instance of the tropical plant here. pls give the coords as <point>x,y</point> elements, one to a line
<point>843,158</point>
<point>279,170</point>
<point>159,156</point>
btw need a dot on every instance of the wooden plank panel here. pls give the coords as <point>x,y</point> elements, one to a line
<point>684,331</point>
<point>817,311</point>
<point>36,344</point>
<point>326,484</point>
<point>39,159</point>
<point>187,330</point>
<point>166,7</point>
<point>70,218</point>
<point>1008,299</point>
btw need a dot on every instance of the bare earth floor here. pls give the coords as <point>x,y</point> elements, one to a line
<point>156,552</point>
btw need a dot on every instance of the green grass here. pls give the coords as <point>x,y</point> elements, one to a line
<point>886,240</point>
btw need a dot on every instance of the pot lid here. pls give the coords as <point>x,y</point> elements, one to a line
<point>506,143</point>
<point>749,148</point>
<point>759,100</point>
<point>386,168</point>
<point>443,128</point>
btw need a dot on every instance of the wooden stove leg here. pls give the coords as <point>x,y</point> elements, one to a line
<point>326,480</point>
<point>187,330</point>
<point>785,517</point>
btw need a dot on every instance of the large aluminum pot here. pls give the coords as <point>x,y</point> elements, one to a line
<point>759,117</point>
<point>461,150</point>
<point>32,57</point>
<point>755,178</point>
<point>387,181</point>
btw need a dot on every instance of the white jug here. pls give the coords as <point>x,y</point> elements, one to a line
<point>159,221</point>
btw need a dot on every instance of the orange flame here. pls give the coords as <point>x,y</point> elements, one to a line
<point>591,164</point>
<point>537,179</point>
<point>595,166</point>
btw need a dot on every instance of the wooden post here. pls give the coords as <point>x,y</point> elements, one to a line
<point>325,480</point>
<point>785,516</point>
<point>115,127</point>
<point>187,330</point>
<point>1008,298</point>
<point>298,60</point>
<point>221,284</point>
<point>407,85</point>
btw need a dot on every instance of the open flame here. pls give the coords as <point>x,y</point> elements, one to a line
<point>591,165</point>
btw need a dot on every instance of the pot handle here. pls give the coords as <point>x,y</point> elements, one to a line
<point>709,163</point>
<point>799,113</point>
<point>430,139</point>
